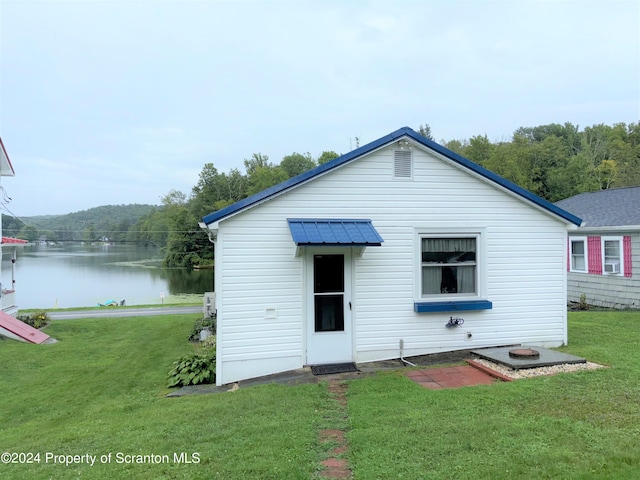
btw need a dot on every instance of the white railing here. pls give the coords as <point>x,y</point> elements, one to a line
<point>8,300</point>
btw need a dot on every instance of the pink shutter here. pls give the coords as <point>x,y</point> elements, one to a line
<point>568,254</point>
<point>626,248</point>
<point>594,249</point>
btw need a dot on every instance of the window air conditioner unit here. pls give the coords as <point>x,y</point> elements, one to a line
<point>612,268</point>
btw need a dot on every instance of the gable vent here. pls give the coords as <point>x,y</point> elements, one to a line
<point>402,164</point>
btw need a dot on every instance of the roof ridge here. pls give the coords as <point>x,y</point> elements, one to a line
<point>376,144</point>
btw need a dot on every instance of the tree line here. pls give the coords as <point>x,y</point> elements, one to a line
<point>106,223</point>
<point>553,161</point>
<point>175,225</point>
<point>559,161</point>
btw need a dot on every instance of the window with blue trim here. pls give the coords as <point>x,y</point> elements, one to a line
<point>449,266</point>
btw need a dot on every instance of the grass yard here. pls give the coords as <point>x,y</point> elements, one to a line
<point>100,391</point>
<point>570,426</point>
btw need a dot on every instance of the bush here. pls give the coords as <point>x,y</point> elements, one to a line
<point>194,369</point>
<point>209,342</point>
<point>36,319</point>
<point>206,322</point>
<point>583,305</point>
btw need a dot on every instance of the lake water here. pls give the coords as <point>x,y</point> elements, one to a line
<point>84,275</point>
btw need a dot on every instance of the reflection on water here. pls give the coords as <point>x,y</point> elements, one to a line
<point>77,275</point>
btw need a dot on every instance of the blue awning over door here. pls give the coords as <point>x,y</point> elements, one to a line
<point>330,232</point>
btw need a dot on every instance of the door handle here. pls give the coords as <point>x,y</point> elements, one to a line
<point>349,305</point>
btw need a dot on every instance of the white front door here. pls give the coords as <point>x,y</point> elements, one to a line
<point>329,328</point>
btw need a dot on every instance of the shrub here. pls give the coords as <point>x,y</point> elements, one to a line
<point>583,305</point>
<point>209,342</point>
<point>36,319</point>
<point>206,322</point>
<point>194,369</point>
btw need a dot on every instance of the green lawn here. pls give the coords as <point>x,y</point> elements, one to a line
<point>101,391</point>
<point>569,426</point>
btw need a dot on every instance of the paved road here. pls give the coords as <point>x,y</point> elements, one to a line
<point>110,312</point>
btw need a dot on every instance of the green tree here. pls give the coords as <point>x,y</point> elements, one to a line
<point>265,177</point>
<point>215,189</point>
<point>152,229</point>
<point>625,154</point>
<point>175,198</point>
<point>106,220</point>
<point>425,131</point>
<point>511,160</point>
<point>11,226</point>
<point>29,233</point>
<point>327,156</point>
<point>547,158</point>
<point>457,146</point>
<point>89,233</point>
<point>257,160</point>
<point>64,233</point>
<point>479,150</point>
<point>187,244</point>
<point>568,133</point>
<point>297,163</point>
<point>606,173</point>
<point>571,179</point>
<point>554,161</point>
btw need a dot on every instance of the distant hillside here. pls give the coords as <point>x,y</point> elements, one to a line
<point>109,221</point>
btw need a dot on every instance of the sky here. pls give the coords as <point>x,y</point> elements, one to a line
<point>119,102</point>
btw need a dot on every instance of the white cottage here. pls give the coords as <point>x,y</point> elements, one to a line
<point>375,252</point>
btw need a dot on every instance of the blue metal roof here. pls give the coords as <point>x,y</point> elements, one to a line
<point>334,232</point>
<point>381,142</point>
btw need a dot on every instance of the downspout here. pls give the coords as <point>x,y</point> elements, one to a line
<point>212,235</point>
<point>407,362</point>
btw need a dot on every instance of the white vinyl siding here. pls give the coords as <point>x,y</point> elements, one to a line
<point>523,271</point>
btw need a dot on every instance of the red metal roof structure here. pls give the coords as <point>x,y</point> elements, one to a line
<point>20,329</point>
<point>11,240</point>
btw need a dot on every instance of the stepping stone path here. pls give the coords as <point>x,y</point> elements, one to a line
<point>336,466</point>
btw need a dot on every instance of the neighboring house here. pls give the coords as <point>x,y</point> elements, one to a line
<point>367,257</point>
<point>8,292</point>
<point>604,254</point>
<point>7,300</point>
<point>10,327</point>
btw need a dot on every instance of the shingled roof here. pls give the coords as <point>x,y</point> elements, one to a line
<point>607,208</point>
